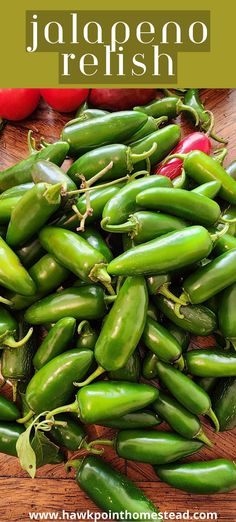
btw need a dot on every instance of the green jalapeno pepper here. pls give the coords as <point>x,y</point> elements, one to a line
<point>206,118</point>
<point>114,127</point>
<point>224,401</point>
<point>121,156</point>
<point>162,343</point>
<point>8,410</point>
<point>71,435</point>
<point>98,199</point>
<point>87,336</point>
<point>47,172</point>
<point>6,208</point>
<point>32,212</point>
<point>118,208</point>
<point>17,365</point>
<point>170,106</point>
<point>211,278</point>
<point>76,254</point>
<point>180,335</point>
<point>130,372</point>
<point>110,490</point>
<point>224,244</point>
<point>156,282</point>
<point>136,420</point>
<point>203,478</point>
<point>187,392</point>
<point>203,168</point>
<point>30,252</point>
<point>8,328</point>
<point>210,189</point>
<point>164,254</point>
<point>52,385</point>
<point>226,314</point>
<point>108,399</point>
<point>118,339</point>
<point>149,370</point>
<point>9,434</point>
<point>198,319</point>
<point>151,125</point>
<point>181,203</point>
<point>166,139</point>
<point>87,301</point>
<point>12,274</point>
<point>48,275</point>
<point>55,342</point>
<point>151,447</point>
<point>16,191</point>
<point>21,172</point>
<point>211,363</point>
<point>231,169</point>
<point>95,239</point>
<point>88,113</point>
<point>181,420</point>
<point>143,226</point>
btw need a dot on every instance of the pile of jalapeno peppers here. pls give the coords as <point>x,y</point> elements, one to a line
<point>106,272</point>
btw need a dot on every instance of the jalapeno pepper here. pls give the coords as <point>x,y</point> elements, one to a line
<point>211,278</point>
<point>8,410</point>
<point>155,283</point>
<point>226,314</point>
<point>211,363</point>
<point>143,226</point>
<point>206,118</point>
<point>47,172</point>
<point>151,447</point>
<point>203,168</point>
<point>210,189</point>
<point>162,343</point>
<point>95,239</point>
<point>87,301</point>
<point>181,203</point>
<point>187,392</point>
<point>165,138</point>
<point>111,128</point>
<point>118,208</point>
<point>166,253</point>
<point>109,400</point>
<point>17,365</point>
<point>231,169</point>
<point>75,254</point>
<point>6,208</point>
<point>118,339</point>
<point>138,419</point>
<point>130,372</point>
<point>151,125</point>
<point>30,252</point>
<point>180,334</point>
<point>110,490</point>
<point>181,420</point>
<point>71,435</point>
<point>224,401</point>
<point>195,141</point>
<point>12,274</point>
<point>48,275</point>
<point>87,336</point>
<point>8,328</point>
<point>224,244</point>
<point>149,370</point>
<point>88,114</point>
<point>52,385</point>
<point>170,106</point>
<point>198,319</point>
<point>21,172</point>
<point>203,478</point>
<point>9,434</point>
<point>94,161</point>
<point>55,342</point>
<point>16,191</point>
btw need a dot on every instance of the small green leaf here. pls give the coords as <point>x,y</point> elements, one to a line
<point>45,450</point>
<point>26,453</point>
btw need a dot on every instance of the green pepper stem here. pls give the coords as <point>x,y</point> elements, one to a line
<point>53,193</point>
<point>171,156</point>
<point>14,384</point>
<point>214,419</point>
<point>5,301</point>
<point>99,274</point>
<point>164,290</point>
<point>10,341</point>
<point>76,464</point>
<point>203,437</point>
<point>222,232</point>
<point>180,180</point>
<point>101,442</point>
<point>159,121</point>
<point>138,174</point>
<point>110,298</point>
<point>102,185</point>
<point>177,311</point>
<point>99,371</point>
<point>180,363</point>
<point>135,158</point>
<point>180,106</point>
<point>210,131</point>
<point>26,418</point>
<point>69,408</point>
<point>31,143</point>
<point>129,226</point>
<point>225,220</point>
<point>220,154</point>
<point>84,326</point>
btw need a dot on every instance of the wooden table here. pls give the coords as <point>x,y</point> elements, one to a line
<point>53,490</point>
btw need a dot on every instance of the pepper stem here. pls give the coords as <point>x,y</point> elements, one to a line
<point>102,185</point>
<point>180,363</point>
<point>110,298</point>
<point>10,341</point>
<point>180,106</point>
<point>159,121</point>
<point>14,384</point>
<point>129,226</point>
<point>5,301</point>
<point>180,180</point>
<point>138,174</point>
<point>100,442</point>
<point>99,274</point>
<point>99,371</point>
<point>76,463</point>
<point>69,408</point>
<point>225,220</point>
<point>203,437</point>
<point>31,142</point>
<point>135,158</point>
<point>84,326</point>
<point>164,290</point>
<point>219,155</point>
<point>53,193</point>
<point>214,419</point>
<point>177,311</point>
<point>171,156</point>
<point>222,232</point>
<point>210,131</point>
<point>26,418</point>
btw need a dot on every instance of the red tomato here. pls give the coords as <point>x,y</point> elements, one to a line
<point>17,104</point>
<point>120,99</point>
<point>64,100</point>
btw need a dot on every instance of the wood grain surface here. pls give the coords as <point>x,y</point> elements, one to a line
<point>53,490</point>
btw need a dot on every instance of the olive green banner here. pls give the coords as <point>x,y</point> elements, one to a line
<point>55,44</point>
